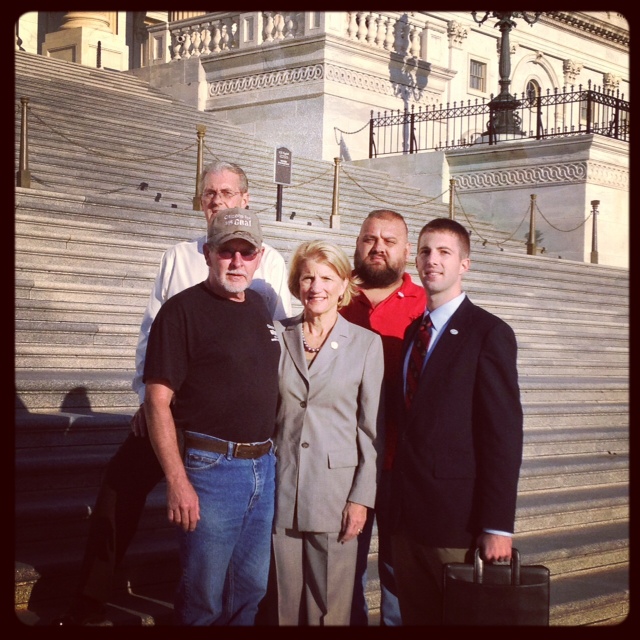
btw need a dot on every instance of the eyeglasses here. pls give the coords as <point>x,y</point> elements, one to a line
<point>225,194</point>
<point>247,254</point>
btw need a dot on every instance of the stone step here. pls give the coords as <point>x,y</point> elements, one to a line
<point>77,332</point>
<point>571,368</point>
<point>573,470</point>
<point>98,332</point>
<point>72,390</point>
<point>50,388</point>
<point>484,262</point>
<point>39,291</point>
<point>587,393</point>
<point>550,509</point>
<point>542,413</point>
<point>28,311</point>
<point>54,312</point>
<point>576,440</point>
<point>141,226</point>
<point>53,69</point>
<point>583,547</point>
<point>63,514</point>
<point>152,559</point>
<point>32,355</point>
<point>87,360</point>
<point>607,602</point>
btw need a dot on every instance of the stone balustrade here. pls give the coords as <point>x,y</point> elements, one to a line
<point>211,33</point>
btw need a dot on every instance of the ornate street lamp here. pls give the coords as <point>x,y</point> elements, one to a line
<point>503,119</point>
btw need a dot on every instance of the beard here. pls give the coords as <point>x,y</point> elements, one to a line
<point>376,275</point>
<point>231,286</point>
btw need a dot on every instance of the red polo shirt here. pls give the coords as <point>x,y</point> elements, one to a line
<point>390,320</point>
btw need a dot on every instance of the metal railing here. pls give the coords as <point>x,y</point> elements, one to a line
<point>556,114</point>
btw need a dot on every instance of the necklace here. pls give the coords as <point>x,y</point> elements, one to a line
<point>307,348</point>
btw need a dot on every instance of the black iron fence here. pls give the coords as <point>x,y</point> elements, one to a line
<point>556,114</point>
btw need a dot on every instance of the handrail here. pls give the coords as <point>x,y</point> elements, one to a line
<point>557,114</point>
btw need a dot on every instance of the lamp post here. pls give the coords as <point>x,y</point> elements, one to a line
<point>503,119</point>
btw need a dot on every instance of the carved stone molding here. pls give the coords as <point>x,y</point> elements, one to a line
<point>356,79</point>
<point>610,82</point>
<point>608,175</point>
<point>601,173</point>
<point>571,70</point>
<point>266,80</point>
<point>595,28</point>
<point>456,32</point>
<point>523,176</point>
<point>383,86</point>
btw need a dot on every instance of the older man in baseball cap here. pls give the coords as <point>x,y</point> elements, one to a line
<point>211,376</point>
<point>234,237</point>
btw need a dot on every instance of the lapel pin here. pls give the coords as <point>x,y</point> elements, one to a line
<point>453,332</point>
<point>334,345</point>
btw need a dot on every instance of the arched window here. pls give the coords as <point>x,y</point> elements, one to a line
<point>532,91</point>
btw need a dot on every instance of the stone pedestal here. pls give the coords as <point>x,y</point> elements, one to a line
<point>565,174</point>
<point>78,37</point>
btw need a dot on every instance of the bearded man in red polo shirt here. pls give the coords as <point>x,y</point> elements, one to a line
<point>388,302</point>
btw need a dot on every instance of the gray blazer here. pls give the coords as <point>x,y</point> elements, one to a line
<point>329,425</point>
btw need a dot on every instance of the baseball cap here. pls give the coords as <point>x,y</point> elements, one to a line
<point>232,224</point>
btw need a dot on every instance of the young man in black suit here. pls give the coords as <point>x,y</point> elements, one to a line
<point>456,469</point>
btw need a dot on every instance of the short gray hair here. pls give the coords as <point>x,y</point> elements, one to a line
<point>219,166</point>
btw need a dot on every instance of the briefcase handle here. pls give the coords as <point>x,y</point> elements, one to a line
<point>478,567</point>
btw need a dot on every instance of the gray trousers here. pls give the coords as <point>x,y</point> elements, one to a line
<point>315,575</point>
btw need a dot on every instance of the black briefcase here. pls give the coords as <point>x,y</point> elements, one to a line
<point>495,594</point>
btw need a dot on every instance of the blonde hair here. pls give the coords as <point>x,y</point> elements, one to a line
<point>325,253</point>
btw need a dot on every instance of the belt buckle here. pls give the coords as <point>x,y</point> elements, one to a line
<point>237,449</point>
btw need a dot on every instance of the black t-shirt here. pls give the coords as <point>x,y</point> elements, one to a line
<point>221,359</point>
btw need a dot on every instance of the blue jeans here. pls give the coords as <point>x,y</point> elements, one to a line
<point>225,560</point>
<point>389,605</point>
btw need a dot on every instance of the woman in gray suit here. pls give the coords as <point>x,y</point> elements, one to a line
<point>328,440</point>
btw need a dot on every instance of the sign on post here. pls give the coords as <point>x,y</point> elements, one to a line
<point>281,175</point>
<point>282,166</point>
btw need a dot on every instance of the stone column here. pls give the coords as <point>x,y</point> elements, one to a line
<point>89,19</point>
<point>78,37</point>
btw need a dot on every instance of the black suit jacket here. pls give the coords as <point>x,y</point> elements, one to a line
<point>458,460</point>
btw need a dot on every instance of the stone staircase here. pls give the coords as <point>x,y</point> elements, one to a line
<point>88,239</point>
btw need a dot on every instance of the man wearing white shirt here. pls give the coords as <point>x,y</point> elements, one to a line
<point>134,470</point>
<point>456,469</point>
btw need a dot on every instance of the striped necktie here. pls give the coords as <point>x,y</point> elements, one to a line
<point>416,359</point>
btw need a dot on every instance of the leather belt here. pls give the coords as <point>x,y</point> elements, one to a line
<point>239,449</point>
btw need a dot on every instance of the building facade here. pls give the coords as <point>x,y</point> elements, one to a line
<point>311,81</point>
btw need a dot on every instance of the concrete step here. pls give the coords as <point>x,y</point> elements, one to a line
<point>72,390</point>
<point>573,506</point>
<point>554,472</point>
<point>541,413</point>
<point>36,356</point>
<point>575,440</point>
<point>47,583</point>
<point>607,602</point>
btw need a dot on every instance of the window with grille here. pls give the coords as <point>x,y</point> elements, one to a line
<point>533,90</point>
<point>478,76</point>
